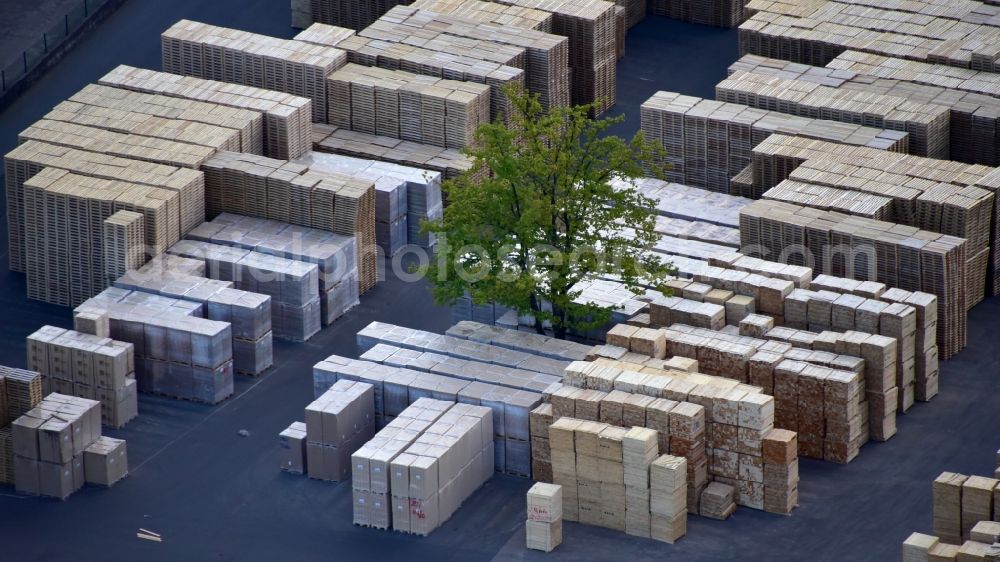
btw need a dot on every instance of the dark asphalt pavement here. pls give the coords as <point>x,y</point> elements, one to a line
<point>212,494</point>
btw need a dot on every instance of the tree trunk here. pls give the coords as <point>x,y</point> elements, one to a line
<point>559,326</point>
<point>536,307</point>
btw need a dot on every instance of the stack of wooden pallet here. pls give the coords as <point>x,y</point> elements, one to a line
<point>707,142</point>
<point>816,31</point>
<point>88,366</point>
<point>24,391</point>
<point>122,244</point>
<point>545,57</point>
<point>177,353</point>
<point>973,114</point>
<point>287,118</point>
<point>927,124</point>
<point>64,230</point>
<point>407,106</point>
<point>216,53</point>
<point>910,259</point>
<point>489,12</point>
<point>729,13</point>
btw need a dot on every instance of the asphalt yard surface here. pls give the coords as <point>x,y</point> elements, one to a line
<point>213,494</point>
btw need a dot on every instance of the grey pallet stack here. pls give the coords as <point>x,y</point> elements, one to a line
<point>407,106</point>
<point>30,157</point>
<point>832,199</point>
<point>338,423</point>
<point>324,34</point>
<point>166,267</point>
<point>249,314</point>
<point>910,259</point>
<point>123,244</point>
<point>177,354</point>
<point>730,13</point>
<point>489,12</point>
<point>519,341</point>
<point>288,289</point>
<point>973,121</point>
<point>249,124</point>
<point>453,66</point>
<point>927,124</point>
<point>64,230</point>
<point>815,32</point>
<point>379,332</point>
<point>334,255</point>
<point>404,196</point>
<point>260,187</point>
<point>546,56</point>
<point>87,366</point>
<point>396,388</point>
<point>216,53</point>
<point>690,203</point>
<point>924,191</point>
<point>287,127</point>
<point>590,26</point>
<point>708,142</point>
<point>446,161</point>
<point>471,370</point>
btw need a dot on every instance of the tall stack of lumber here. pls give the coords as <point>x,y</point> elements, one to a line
<point>287,118</point>
<point>123,246</point>
<point>87,366</point>
<point>708,142</point>
<point>973,121</point>
<point>817,31</point>
<point>228,55</point>
<point>935,195</point>
<point>334,255</point>
<point>292,194</point>
<point>927,124</point>
<point>864,248</point>
<point>407,106</point>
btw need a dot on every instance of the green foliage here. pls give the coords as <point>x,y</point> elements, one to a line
<point>544,216</point>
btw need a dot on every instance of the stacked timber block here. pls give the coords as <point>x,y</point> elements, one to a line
<point>407,106</point>
<point>730,13</point>
<point>228,55</point>
<point>287,129</point>
<point>396,388</point>
<point>124,233</point>
<point>338,423</point>
<point>543,527</point>
<point>667,498</point>
<point>708,142</point>
<point>445,161</point>
<point>177,353</point>
<point>335,255</point>
<point>292,442</point>
<point>425,463</point>
<point>926,261</point>
<point>287,289</point>
<point>87,366</point>
<point>541,450</point>
<point>58,448</point>
<point>781,471</point>
<point>717,501</point>
<point>927,125</point>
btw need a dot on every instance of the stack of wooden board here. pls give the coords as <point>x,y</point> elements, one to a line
<point>287,118</point>
<point>333,254</point>
<point>87,366</point>
<point>927,124</point>
<point>177,353</point>
<point>909,258</point>
<point>543,527</point>
<point>216,53</point>
<point>973,114</point>
<point>816,31</point>
<point>707,142</point>
<point>407,106</point>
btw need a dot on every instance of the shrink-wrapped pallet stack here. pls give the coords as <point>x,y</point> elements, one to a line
<point>709,142</point>
<point>229,55</point>
<point>338,423</point>
<point>292,442</point>
<point>407,106</point>
<point>177,353</point>
<point>287,127</point>
<point>417,471</point>
<point>335,255</point>
<point>87,366</point>
<point>58,448</point>
<point>543,527</point>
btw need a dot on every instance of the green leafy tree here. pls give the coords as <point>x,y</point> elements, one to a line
<point>537,215</point>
